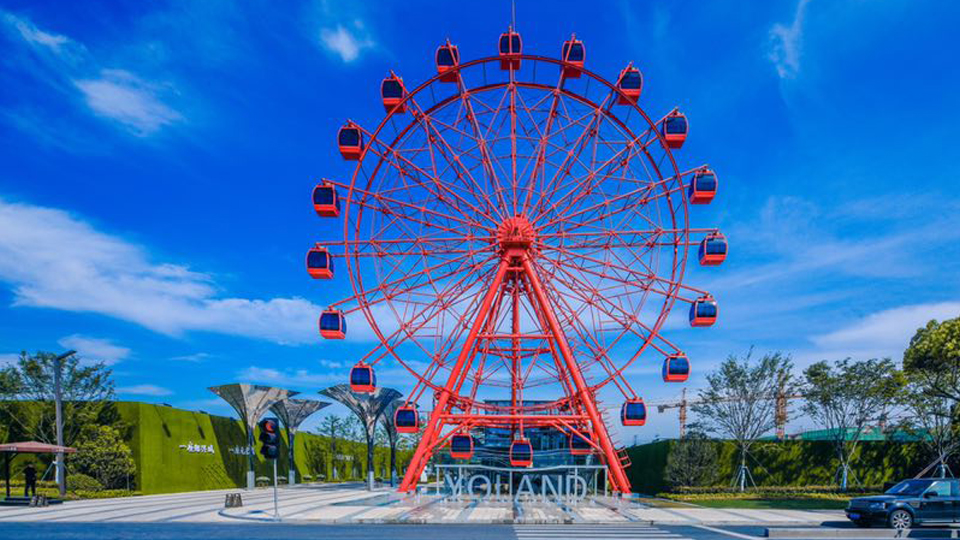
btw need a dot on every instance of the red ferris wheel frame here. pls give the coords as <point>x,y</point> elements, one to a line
<point>517,266</point>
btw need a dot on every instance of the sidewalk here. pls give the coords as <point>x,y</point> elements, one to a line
<point>351,503</point>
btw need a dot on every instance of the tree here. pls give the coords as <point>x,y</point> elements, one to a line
<point>692,460</point>
<point>932,418</point>
<point>102,454</point>
<point>331,426</point>
<point>740,400</point>
<point>848,397</point>
<point>27,395</point>
<point>933,357</point>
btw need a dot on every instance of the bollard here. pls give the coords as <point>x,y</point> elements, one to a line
<point>233,500</point>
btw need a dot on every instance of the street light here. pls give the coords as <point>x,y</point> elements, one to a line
<point>58,400</point>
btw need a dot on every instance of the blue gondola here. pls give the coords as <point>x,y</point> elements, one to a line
<point>633,412</point>
<point>574,54</point>
<point>580,444</point>
<point>333,325</point>
<point>392,93</point>
<point>521,453</point>
<point>461,446</point>
<point>630,84</point>
<point>511,46</point>
<point>407,420</point>
<point>326,202</point>
<point>350,141</point>
<point>713,249</point>
<point>363,379</point>
<point>319,263</point>
<point>676,368</point>
<point>448,58</point>
<point>703,311</point>
<point>674,129</point>
<point>703,186</point>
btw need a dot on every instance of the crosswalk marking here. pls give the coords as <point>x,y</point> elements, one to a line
<point>592,532</point>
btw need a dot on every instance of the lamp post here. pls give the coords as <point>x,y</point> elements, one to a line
<point>58,401</point>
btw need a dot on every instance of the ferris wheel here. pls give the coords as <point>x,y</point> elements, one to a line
<point>516,231</point>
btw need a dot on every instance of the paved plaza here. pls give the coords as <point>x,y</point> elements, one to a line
<point>351,503</point>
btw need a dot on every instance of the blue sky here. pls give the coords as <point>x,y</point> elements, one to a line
<point>158,160</point>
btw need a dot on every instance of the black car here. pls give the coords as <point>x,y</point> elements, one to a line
<point>911,502</point>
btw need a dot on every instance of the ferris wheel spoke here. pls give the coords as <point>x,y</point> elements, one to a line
<point>628,203</point>
<point>366,299</point>
<point>446,148</point>
<point>601,353</point>
<point>579,189</point>
<point>588,134</point>
<point>632,277</point>
<point>417,321</point>
<point>440,186</point>
<point>538,167</point>
<point>456,163</point>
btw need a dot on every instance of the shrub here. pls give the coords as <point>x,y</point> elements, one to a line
<point>103,455</point>
<point>262,481</point>
<point>82,482</point>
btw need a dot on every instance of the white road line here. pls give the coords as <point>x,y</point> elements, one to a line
<point>594,532</point>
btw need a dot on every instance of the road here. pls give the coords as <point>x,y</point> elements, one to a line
<point>280,531</point>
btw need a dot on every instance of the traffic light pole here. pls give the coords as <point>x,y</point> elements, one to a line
<point>276,504</point>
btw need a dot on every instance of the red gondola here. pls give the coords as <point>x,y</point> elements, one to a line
<point>521,453</point>
<point>630,84</point>
<point>363,379</point>
<point>448,58</point>
<point>676,368</point>
<point>574,54</point>
<point>333,325</point>
<point>406,419</point>
<point>703,311</point>
<point>461,446</point>
<point>713,249</point>
<point>320,263</point>
<point>703,186</point>
<point>511,47</point>
<point>392,91</point>
<point>633,412</point>
<point>580,444</point>
<point>350,139</point>
<point>674,129</point>
<point>326,202</point>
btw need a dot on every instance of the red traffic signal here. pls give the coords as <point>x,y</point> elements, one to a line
<point>270,437</point>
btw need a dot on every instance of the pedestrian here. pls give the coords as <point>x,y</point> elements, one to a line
<point>29,481</point>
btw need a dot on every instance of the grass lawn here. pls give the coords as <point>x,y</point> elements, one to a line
<point>788,504</point>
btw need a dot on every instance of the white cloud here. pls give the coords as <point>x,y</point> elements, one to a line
<point>66,66</point>
<point>144,390</point>
<point>95,349</point>
<point>885,333</point>
<point>299,377</point>
<point>344,42</point>
<point>52,259</point>
<point>785,42</point>
<point>33,35</point>
<point>121,96</point>
<point>196,357</point>
<point>8,359</point>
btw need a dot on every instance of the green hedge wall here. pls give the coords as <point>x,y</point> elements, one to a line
<point>788,463</point>
<point>156,432</point>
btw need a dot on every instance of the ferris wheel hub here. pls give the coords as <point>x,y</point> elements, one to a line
<point>516,233</point>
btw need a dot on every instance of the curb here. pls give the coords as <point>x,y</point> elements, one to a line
<point>823,532</point>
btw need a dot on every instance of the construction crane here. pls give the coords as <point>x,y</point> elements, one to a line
<point>683,403</point>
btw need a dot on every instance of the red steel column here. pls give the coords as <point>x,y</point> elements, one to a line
<point>432,430</point>
<point>617,474</point>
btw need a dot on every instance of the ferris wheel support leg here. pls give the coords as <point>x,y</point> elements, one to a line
<point>618,476</point>
<point>432,430</point>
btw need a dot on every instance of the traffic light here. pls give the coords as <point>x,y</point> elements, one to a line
<point>270,437</point>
